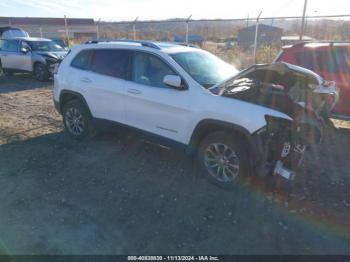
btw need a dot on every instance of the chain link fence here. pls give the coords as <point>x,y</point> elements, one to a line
<point>225,38</point>
<point>221,37</point>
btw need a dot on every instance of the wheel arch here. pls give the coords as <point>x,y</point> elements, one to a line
<point>68,95</point>
<point>206,126</point>
<point>36,62</point>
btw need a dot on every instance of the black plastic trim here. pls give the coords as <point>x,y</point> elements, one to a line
<point>78,95</point>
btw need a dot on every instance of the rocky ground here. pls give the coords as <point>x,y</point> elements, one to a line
<point>121,194</point>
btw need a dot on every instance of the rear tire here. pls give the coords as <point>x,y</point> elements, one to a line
<point>224,159</point>
<point>41,72</point>
<point>77,120</point>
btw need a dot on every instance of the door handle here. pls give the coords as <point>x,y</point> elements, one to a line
<point>134,91</point>
<point>85,80</point>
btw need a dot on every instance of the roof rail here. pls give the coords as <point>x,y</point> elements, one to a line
<point>141,42</point>
<point>331,42</point>
<point>186,44</point>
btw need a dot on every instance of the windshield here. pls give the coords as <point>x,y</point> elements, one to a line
<point>44,46</point>
<point>207,69</point>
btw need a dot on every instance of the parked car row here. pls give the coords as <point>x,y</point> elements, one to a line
<point>256,122</point>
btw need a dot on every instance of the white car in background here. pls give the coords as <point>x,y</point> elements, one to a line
<point>38,56</point>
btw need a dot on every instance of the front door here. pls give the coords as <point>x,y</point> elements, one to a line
<point>153,106</point>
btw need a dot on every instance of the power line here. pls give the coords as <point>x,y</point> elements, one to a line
<point>229,20</point>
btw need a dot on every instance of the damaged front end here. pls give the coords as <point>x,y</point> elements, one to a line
<point>301,95</point>
<point>281,145</point>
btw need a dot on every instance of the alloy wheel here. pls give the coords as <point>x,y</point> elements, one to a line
<point>39,72</point>
<point>74,121</point>
<point>221,162</point>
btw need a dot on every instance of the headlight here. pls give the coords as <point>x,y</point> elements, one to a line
<point>50,60</point>
<point>309,133</point>
<point>278,126</point>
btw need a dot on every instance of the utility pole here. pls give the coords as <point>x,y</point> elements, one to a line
<point>256,35</point>
<point>98,29</point>
<point>41,32</point>
<point>302,30</point>
<point>66,28</point>
<point>187,27</point>
<point>134,28</point>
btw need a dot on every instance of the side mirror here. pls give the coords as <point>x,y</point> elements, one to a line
<point>174,81</point>
<point>25,50</point>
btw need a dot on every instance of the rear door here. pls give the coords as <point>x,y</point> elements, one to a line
<point>10,54</point>
<point>341,75</point>
<point>104,84</point>
<point>150,104</point>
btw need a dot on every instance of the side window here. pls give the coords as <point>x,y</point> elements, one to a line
<point>325,61</point>
<point>307,60</point>
<point>82,60</point>
<point>319,61</point>
<point>9,45</point>
<point>150,70</point>
<point>342,58</point>
<point>112,62</point>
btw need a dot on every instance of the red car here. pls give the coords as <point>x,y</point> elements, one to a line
<point>331,60</point>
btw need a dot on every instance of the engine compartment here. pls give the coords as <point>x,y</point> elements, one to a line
<point>287,91</point>
<point>282,142</point>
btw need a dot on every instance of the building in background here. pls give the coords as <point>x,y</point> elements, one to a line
<point>53,27</point>
<point>267,35</point>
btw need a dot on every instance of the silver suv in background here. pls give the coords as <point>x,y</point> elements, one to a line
<point>38,56</point>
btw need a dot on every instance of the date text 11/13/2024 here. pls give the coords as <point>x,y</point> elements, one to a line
<point>173,258</point>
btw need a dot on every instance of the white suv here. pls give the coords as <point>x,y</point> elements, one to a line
<point>238,124</point>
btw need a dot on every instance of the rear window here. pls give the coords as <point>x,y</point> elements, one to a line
<point>342,59</point>
<point>332,61</point>
<point>111,62</point>
<point>82,60</point>
<point>9,45</point>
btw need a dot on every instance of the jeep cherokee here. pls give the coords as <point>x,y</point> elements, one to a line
<point>255,122</point>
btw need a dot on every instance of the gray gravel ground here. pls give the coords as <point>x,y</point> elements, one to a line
<point>120,194</point>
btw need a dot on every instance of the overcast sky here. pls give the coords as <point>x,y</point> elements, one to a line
<point>164,9</point>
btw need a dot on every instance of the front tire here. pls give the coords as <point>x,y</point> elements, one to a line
<point>1,70</point>
<point>77,120</point>
<point>41,72</point>
<point>223,159</point>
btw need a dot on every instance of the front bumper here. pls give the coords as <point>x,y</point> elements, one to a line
<point>53,68</point>
<point>57,106</point>
<point>278,155</point>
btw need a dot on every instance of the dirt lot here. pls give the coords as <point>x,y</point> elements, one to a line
<point>120,194</point>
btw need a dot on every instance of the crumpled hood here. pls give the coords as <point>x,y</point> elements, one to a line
<point>319,86</point>
<point>280,86</point>
<point>59,55</point>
